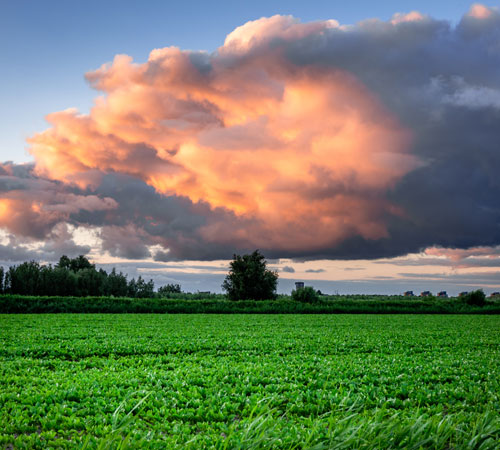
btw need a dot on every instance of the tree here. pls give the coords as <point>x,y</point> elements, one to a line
<point>132,288</point>
<point>64,282</point>
<point>64,262</point>
<point>249,278</point>
<point>305,295</point>
<point>144,289</point>
<point>1,279</point>
<point>90,282</point>
<point>168,289</point>
<point>24,279</point>
<point>116,284</point>
<point>81,263</point>
<point>476,298</point>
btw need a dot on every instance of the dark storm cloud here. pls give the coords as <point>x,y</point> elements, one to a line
<point>124,242</point>
<point>444,83</point>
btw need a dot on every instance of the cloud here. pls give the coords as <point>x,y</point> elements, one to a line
<point>273,143</point>
<point>457,254</point>
<point>16,253</point>
<point>59,242</point>
<point>288,269</point>
<point>453,258</point>
<point>305,140</point>
<point>480,12</point>
<point>315,270</point>
<point>456,91</point>
<point>474,278</point>
<point>124,242</point>
<point>31,206</point>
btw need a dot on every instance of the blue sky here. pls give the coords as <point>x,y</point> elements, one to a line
<point>46,47</point>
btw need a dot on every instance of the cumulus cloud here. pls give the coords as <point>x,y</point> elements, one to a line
<point>31,206</point>
<point>305,140</point>
<point>59,241</point>
<point>125,242</point>
<point>288,269</point>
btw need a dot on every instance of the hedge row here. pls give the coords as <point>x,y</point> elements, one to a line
<point>332,305</point>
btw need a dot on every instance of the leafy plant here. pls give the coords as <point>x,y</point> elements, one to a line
<point>249,381</point>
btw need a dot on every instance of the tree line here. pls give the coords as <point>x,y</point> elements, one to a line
<point>74,277</point>
<point>248,278</point>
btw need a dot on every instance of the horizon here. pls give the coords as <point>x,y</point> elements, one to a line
<point>355,146</point>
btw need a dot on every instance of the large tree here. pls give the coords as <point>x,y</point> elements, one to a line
<point>249,278</point>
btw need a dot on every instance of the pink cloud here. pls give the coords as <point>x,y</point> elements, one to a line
<point>479,11</point>
<point>245,130</point>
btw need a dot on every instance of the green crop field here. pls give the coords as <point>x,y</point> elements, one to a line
<point>249,381</point>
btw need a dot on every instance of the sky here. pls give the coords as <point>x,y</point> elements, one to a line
<point>354,143</point>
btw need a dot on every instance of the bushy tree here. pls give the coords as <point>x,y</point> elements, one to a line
<point>64,282</point>
<point>1,279</point>
<point>168,289</point>
<point>306,294</point>
<point>81,263</point>
<point>90,282</point>
<point>476,298</point>
<point>116,284</point>
<point>24,279</point>
<point>64,262</point>
<point>144,289</point>
<point>132,288</point>
<point>249,278</point>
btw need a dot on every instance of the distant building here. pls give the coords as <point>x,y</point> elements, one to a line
<point>299,285</point>
<point>443,294</point>
<point>495,295</point>
<point>425,294</point>
<point>409,294</point>
<point>462,294</point>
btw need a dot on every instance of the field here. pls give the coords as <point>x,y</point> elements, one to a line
<point>249,381</point>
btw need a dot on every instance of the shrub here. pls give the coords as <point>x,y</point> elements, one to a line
<point>305,295</point>
<point>476,298</point>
